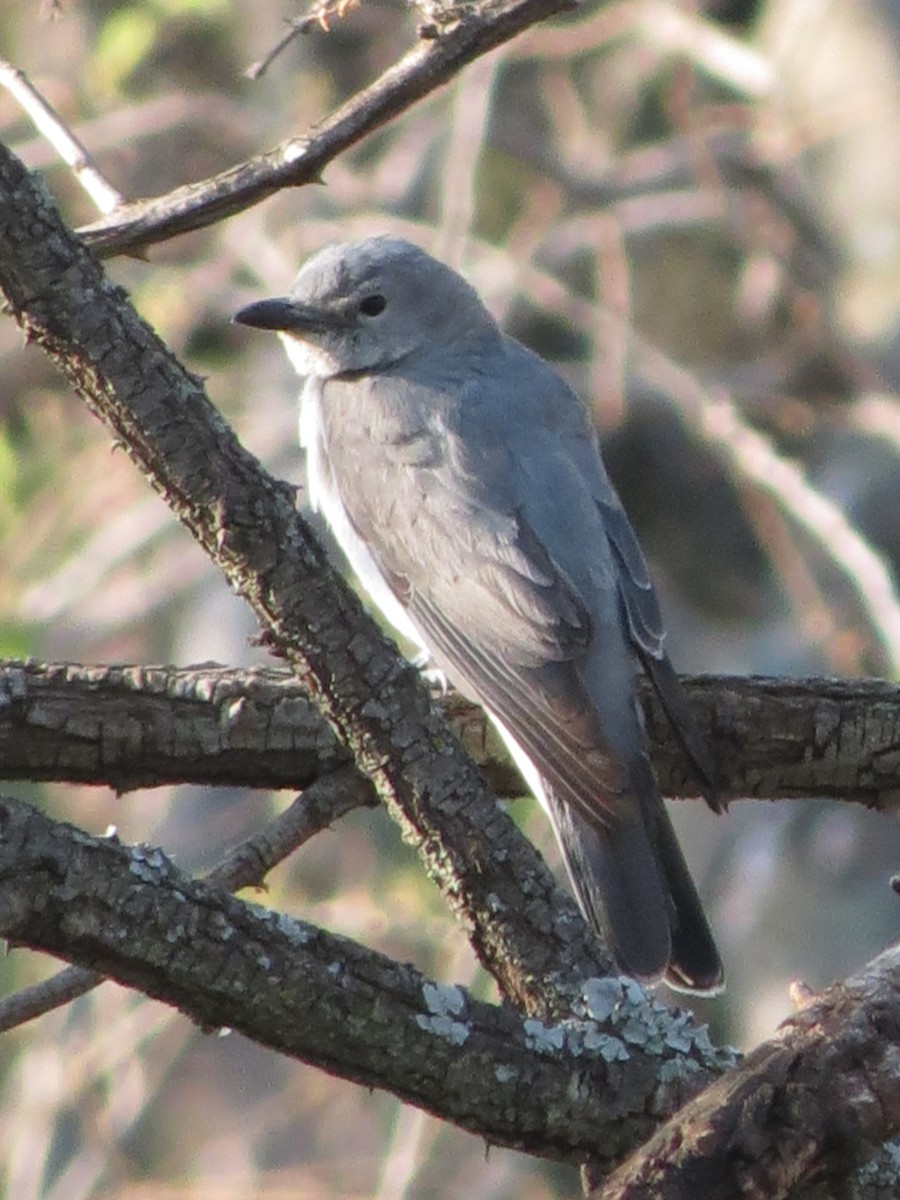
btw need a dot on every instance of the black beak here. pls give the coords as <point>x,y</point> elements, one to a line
<point>282,314</point>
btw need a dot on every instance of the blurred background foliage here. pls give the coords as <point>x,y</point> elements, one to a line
<point>716,181</point>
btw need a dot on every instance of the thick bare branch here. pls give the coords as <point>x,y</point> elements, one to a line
<point>811,1104</point>
<point>134,726</point>
<point>593,1085</point>
<point>527,933</point>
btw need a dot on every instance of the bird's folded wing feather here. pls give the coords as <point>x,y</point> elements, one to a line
<point>647,634</point>
<point>497,609</point>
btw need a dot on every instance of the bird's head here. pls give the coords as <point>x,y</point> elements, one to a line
<point>364,306</point>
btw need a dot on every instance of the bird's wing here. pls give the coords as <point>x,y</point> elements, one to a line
<point>645,624</point>
<point>479,509</point>
<point>645,627</point>
<point>465,526</point>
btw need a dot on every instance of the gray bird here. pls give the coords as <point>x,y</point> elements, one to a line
<point>463,481</point>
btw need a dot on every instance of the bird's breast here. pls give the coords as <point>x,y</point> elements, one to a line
<point>325,497</point>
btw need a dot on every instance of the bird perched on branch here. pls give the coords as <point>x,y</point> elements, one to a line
<point>463,480</point>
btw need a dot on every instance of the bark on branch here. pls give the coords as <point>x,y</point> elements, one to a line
<point>54,895</point>
<point>593,1085</point>
<point>807,1107</point>
<point>810,1105</point>
<point>246,865</point>
<point>134,726</point>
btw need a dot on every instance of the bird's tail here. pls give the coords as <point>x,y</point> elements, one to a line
<point>633,886</point>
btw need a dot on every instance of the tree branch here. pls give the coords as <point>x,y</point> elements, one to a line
<point>245,866</point>
<point>248,524</point>
<point>813,1104</point>
<point>592,1085</point>
<point>50,124</point>
<point>429,65</point>
<point>134,726</point>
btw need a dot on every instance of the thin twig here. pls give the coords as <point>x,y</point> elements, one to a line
<point>295,27</point>
<point>317,808</point>
<point>319,14</point>
<point>247,865</point>
<point>752,457</point>
<point>48,121</point>
<point>60,989</point>
<point>301,160</point>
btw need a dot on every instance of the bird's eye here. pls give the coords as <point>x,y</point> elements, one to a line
<point>371,306</point>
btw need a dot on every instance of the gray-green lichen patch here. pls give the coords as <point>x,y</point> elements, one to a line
<point>455,1032</point>
<point>616,1018</point>
<point>148,863</point>
<point>444,1002</point>
<point>444,999</point>
<point>545,1039</point>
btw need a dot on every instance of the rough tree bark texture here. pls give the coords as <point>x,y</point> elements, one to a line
<point>809,1105</point>
<point>134,726</point>
<point>593,1085</point>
